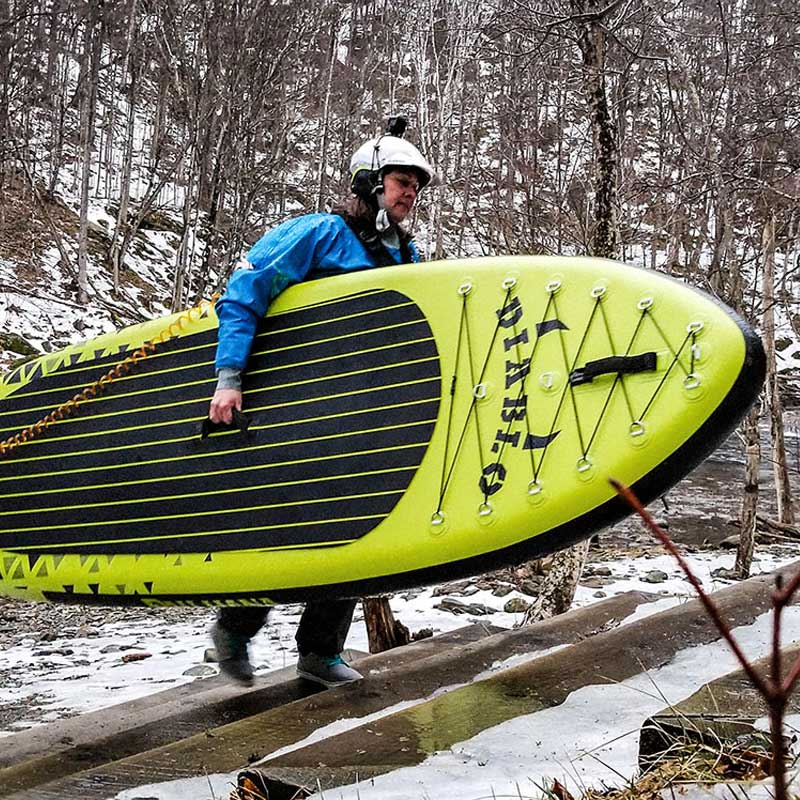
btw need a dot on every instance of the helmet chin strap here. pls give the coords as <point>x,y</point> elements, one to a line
<point>372,195</point>
<point>382,221</point>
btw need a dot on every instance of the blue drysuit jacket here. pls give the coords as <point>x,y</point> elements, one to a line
<point>306,247</point>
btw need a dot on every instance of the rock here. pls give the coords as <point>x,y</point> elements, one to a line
<point>58,651</point>
<point>210,655</point>
<point>724,573</point>
<point>459,587</point>
<point>516,605</point>
<point>200,671</point>
<point>457,607</point>
<point>530,586</point>
<point>422,633</point>
<point>16,344</point>
<point>594,582</point>
<point>730,542</point>
<point>129,657</point>
<point>502,590</point>
<point>452,605</point>
<point>602,571</point>
<point>480,610</point>
<point>599,594</point>
<point>655,576</point>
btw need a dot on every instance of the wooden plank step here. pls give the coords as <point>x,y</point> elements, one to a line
<point>408,673</point>
<point>718,713</point>
<point>408,737</point>
<point>79,743</point>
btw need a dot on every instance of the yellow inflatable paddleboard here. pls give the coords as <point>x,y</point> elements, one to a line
<point>402,426</point>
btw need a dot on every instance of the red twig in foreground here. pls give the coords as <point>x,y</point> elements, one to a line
<point>708,603</point>
<point>774,689</point>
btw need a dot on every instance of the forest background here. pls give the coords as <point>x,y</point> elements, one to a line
<point>144,144</point>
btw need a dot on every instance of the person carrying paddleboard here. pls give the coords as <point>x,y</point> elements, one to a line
<point>386,175</point>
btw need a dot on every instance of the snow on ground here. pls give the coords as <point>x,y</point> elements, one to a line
<point>75,674</point>
<point>588,740</point>
<point>70,675</point>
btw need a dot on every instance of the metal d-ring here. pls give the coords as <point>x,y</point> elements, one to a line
<point>479,391</point>
<point>509,283</point>
<point>583,464</point>
<point>695,327</point>
<point>636,428</point>
<point>534,488</point>
<point>465,288</point>
<point>645,303</point>
<point>553,286</point>
<point>485,509</point>
<point>691,381</point>
<point>598,291</point>
<point>437,518</point>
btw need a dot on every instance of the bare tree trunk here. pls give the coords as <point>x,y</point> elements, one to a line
<point>92,44</point>
<point>159,121</point>
<point>115,250</point>
<point>157,183</point>
<point>383,631</point>
<point>58,100</point>
<point>7,56</point>
<point>182,256</point>
<point>52,227</point>
<point>592,41</point>
<point>322,164</point>
<point>558,589</point>
<point>744,554</point>
<point>779,465</point>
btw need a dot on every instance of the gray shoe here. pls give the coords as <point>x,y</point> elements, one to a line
<point>328,670</point>
<point>232,655</point>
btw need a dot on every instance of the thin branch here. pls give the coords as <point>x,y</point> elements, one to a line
<point>708,604</point>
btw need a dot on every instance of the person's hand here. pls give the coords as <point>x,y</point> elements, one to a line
<point>222,404</point>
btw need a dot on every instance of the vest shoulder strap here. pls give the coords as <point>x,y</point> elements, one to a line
<point>373,244</point>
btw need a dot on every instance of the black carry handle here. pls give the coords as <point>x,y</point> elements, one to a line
<point>240,421</point>
<point>646,362</point>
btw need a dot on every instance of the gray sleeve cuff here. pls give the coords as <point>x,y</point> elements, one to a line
<point>229,378</point>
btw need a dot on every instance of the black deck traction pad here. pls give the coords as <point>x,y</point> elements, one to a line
<point>335,437</point>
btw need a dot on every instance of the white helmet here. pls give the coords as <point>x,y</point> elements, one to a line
<point>380,155</point>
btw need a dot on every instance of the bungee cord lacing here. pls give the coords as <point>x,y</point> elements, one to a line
<point>519,407</point>
<point>618,378</point>
<point>464,290</point>
<point>120,370</point>
<point>521,393</point>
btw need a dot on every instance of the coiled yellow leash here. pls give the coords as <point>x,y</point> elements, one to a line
<point>71,406</point>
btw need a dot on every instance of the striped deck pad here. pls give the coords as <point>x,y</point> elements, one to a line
<point>342,398</point>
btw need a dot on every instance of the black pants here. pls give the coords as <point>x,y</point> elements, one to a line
<point>323,627</point>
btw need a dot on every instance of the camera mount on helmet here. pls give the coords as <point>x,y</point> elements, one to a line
<point>390,151</point>
<point>396,126</point>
